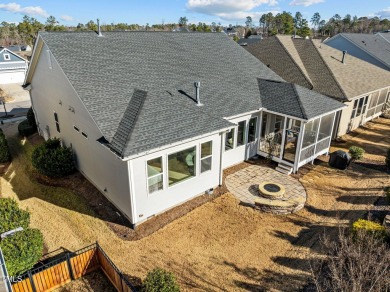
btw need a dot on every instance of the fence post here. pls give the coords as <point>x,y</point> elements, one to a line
<point>69,266</point>
<point>31,281</point>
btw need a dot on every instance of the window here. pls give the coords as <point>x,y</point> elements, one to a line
<point>77,129</point>
<point>57,122</point>
<point>206,152</point>
<point>310,133</point>
<point>278,124</point>
<point>181,165</point>
<point>155,175</point>
<point>325,127</point>
<point>85,135</point>
<point>252,129</point>
<point>241,133</point>
<point>360,107</point>
<point>354,109</point>
<point>229,140</point>
<point>7,57</point>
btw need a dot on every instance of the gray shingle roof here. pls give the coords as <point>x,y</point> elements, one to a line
<point>106,70</point>
<point>298,101</point>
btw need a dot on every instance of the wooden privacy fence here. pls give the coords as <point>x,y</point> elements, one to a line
<point>71,266</point>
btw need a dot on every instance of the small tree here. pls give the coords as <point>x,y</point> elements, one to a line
<point>5,155</point>
<point>52,159</point>
<point>11,216</point>
<point>22,250</point>
<point>159,280</point>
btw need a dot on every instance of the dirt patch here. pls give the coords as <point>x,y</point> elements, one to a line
<point>95,281</point>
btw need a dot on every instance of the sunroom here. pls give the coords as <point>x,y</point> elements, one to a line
<point>296,123</point>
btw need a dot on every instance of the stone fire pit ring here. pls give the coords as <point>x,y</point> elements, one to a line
<point>271,190</point>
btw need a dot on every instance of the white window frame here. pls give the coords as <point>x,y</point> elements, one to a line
<point>203,158</point>
<point>6,57</point>
<point>196,170</point>
<point>243,134</point>
<point>233,137</point>
<point>256,129</point>
<point>153,176</point>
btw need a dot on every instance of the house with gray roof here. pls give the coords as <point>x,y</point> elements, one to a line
<point>13,68</point>
<point>361,86</point>
<point>372,48</point>
<point>155,125</point>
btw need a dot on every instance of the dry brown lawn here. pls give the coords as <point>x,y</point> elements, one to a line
<point>220,246</point>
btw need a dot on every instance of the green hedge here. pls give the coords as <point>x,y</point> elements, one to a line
<point>356,152</point>
<point>5,155</point>
<point>11,216</point>
<point>53,160</point>
<point>22,250</point>
<point>159,280</point>
<point>25,129</point>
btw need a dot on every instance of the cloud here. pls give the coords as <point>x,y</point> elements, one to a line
<point>67,18</point>
<point>305,2</point>
<point>385,13</point>
<point>241,15</point>
<point>229,9</point>
<point>29,10</point>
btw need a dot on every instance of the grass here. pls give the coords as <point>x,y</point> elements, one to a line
<point>220,245</point>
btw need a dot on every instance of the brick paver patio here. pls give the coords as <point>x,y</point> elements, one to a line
<point>244,183</point>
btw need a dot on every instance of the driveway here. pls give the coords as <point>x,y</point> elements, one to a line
<point>20,100</point>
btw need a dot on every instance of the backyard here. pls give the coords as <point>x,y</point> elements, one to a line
<point>221,245</point>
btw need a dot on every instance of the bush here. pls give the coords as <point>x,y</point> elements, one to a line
<point>356,152</point>
<point>160,280</point>
<point>53,160</point>
<point>388,159</point>
<point>366,226</point>
<point>22,250</point>
<point>5,155</point>
<point>31,118</point>
<point>25,129</point>
<point>11,216</point>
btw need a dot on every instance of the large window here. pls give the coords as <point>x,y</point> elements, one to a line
<point>155,175</point>
<point>206,152</point>
<point>229,140</point>
<point>181,165</point>
<point>252,129</point>
<point>241,133</point>
<point>359,107</point>
<point>310,133</point>
<point>325,127</point>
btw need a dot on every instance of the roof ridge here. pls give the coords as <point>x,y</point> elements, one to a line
<point>299,100</point>
<point>291,57</point>
<point>330,71</point>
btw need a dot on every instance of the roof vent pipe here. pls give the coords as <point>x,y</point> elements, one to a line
<point>344,55</point>
<point>197,87</point>
<point>99,31</point>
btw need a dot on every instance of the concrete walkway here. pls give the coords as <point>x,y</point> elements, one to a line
<point>244,183</point>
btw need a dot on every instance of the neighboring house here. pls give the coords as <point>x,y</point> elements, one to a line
<point>230,31</point>
<point>145,136</point>
<point>252,39</point>
<point>13,68</point>
<point>363,87</point>
<point>372,48</point>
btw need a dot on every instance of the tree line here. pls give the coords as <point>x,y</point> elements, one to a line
<point>269,24</point>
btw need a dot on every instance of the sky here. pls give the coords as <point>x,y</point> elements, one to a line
<point>72,12</point>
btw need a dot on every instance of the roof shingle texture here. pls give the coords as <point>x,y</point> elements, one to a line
<point>106,70</point>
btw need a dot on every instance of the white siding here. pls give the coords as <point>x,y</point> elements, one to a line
<point>51,92</point>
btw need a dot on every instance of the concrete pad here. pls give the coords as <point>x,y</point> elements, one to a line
<point>16,91</point>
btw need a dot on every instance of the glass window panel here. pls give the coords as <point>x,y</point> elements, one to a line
<point>374,99</point>
<point>181,165</point>
<point>205,164</point>
<point>154,166</point>
<point>155,183</point>
<point>229,143</point>
<point>206,149</point>
<point>310,133</point>
<point>382,97</point>
<point>359,111</point>
<point>263,125</point>
<point>241,133</point>
<point>252,125</point>
<point>56,117</point>
<point>58,127</point>
<point>326,126</point>
<point>354,109</point>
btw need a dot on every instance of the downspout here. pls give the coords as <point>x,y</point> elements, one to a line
<point>220,160</point>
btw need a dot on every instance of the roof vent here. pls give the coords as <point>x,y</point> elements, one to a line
<point>99,31</point>
<point>197,87</point>
<point>344,55</point>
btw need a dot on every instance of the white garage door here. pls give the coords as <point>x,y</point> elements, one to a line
<point>12,77</point>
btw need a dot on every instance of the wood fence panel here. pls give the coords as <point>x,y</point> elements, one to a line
<point>110,271</point>
<point>52,277</point>
<point>84,263</point>
<point>23,286</point>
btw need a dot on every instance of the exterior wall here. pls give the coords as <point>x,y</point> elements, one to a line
<point>147,204</point>
<point>243,152</point>
<point>51,92</point>
<point>340,43</point>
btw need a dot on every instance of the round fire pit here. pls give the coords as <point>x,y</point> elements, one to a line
<point>271,190</point>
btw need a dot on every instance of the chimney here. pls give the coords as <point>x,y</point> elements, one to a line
<point>344,54</point>
<point>99,31</point>
<point>197,86</point>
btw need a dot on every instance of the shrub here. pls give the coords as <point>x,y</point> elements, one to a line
<point>366,226</point>
<point>388,159</point>
<point>22,250</point>
<point>5,155</point>
<point>160,280</point>
<point>53,160</point>
<point>11,216</point>
<point>31,118</point>
<point>356,152</point>
<point>25,129</point>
